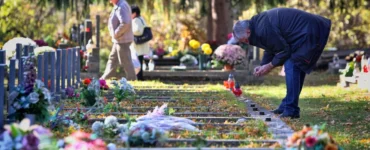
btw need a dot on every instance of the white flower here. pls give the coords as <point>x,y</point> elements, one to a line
<point>110,121</point>
<point>33,97</point>
<point>97,126</point>
<point>122,128</point>
<point>145,136</point>
<point>324,136</point>
<point>39,84</point>
<point>46,93</point>
<point>111,146</point>
<point>123,80</point>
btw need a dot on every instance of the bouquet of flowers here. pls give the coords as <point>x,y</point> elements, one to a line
<point>229,54</point>
<point>143,135</point>
<point>123,90</point>
<point>26,137</point>
<point>311,138</point>
<point>31,97</point>
<point>109,129</point>
<point>82,140</point>
<point>90,91</point>
<point>202,49</point>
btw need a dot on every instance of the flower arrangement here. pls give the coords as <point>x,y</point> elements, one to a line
<point>109,129</point>
<point>82,140</point>
<point>31,97</point>
<point>204,48</point>
<point>229,54</point>
<point>143,135</point>
<point>26,137</point>
<point>90,91</point>
<point>311,138</point>
<point>123,90</point>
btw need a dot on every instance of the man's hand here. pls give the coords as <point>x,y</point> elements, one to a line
<point>263,70</point>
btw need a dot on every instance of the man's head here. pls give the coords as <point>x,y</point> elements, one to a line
<point>135,11</point>
<point>241,32</point>
<point>114,1</point>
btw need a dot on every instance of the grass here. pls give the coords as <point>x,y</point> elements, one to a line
<point>346,111</point>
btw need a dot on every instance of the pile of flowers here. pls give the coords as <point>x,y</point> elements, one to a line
<point>82,140</point>
<point>143,135</point>
<point>26,137</point>
<point>31,97</point>
<point>123,90</point>
<point>311,138</point>
<point>229,54</point>
<point>109,129</point>
<point>90,91</point>
<point>204,48</point>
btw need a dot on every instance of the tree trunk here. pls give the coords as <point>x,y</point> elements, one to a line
<point>221,21</point>
<point>209,22</point>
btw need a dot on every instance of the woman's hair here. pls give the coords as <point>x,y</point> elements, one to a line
<point>135,9</point>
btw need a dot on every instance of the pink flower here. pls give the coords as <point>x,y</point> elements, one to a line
<point>311,141</point>
<point>79,135</point>
<point>77,145</point>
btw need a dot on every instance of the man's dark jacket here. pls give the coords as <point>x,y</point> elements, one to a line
<point>287,33</point>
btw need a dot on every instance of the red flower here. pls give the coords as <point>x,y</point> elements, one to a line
<point>85,68</point>
<point>311,141</point>
<point>86,81</point>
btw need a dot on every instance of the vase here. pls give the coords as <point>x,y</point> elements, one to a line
<point>32,118</point>
<point>228,67</point>
<point>202,59</point>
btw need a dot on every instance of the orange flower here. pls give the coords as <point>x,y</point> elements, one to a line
<point>331,146</point>
<point>306,129</point>
<point>105,100</point>
<point>86,81</point>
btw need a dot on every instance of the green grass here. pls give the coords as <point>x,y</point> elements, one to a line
<point>346,111</point>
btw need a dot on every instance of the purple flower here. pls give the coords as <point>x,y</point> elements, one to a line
<point>70,92</point>
<point>30,142</point>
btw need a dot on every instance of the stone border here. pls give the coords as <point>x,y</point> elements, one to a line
<point>278,128</point>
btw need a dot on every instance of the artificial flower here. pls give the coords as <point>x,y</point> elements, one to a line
<point>33,97</point>
<point>86,81</point>
<point>110,121</point>
<point>310,141</point>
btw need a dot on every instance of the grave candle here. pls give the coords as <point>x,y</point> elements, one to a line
<point>39,66</point>
<point>2,92</point>
<point>46,67</point>
<point>69,68</point>
<point>73,65</point>
<point>63,75</point>
<point>52,71</point>
<point>59,56</point>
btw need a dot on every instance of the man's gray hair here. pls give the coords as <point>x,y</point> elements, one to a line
<point>240,29</point>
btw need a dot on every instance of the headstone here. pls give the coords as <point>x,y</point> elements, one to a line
<point>39,66</point>
<point>2,93</point>
<point>52,71</point>
<point>46,68</point>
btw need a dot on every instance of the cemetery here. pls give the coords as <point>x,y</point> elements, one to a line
<point>197,90</point>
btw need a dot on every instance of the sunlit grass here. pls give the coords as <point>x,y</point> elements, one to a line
<point>345,110</point>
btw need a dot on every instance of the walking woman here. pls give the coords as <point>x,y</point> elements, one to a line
<point>138,25</point>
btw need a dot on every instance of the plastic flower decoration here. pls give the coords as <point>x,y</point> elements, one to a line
<point>311,138</point>
<point>123,90</point>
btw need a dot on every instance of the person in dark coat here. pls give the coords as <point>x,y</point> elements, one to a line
<point>290,37</point>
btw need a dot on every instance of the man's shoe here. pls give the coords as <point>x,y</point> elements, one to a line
<point>289,116</point>
<point>276,111</point>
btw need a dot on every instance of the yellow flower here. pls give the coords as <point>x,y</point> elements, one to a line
<point>207,51</point>
<point>205,46</point>
<point>191,43</point>
<point>196,45</point>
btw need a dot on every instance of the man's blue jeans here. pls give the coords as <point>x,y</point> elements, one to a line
<point>294,78</point>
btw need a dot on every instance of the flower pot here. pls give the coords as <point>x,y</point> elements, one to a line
<point>32,118</point>
<point>228,67</point>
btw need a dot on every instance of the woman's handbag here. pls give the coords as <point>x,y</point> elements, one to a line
<point>145,37</point>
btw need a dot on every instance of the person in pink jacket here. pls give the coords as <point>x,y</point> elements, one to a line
<point>120,29</point>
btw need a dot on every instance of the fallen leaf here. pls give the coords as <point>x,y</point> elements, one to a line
<point>332,122</point>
